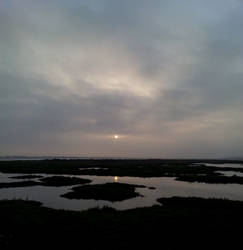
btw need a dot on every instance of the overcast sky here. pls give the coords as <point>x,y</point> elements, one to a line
<point>165,75</point>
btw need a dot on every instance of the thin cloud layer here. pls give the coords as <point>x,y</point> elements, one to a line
<point>167,76</point>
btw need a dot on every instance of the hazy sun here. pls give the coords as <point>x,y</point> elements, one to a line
<point>116,136</point>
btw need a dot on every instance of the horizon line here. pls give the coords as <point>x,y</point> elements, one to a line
<point>48,157</point>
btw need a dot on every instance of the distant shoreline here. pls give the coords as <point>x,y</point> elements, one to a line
<point>40,158</point>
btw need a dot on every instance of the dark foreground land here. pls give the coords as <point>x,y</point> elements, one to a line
<point>190,223</point>
<point>193,223</point>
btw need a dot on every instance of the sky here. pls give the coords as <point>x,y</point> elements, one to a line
<point>166,76</point>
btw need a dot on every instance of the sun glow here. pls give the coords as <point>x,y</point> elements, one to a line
<point>116,136</point>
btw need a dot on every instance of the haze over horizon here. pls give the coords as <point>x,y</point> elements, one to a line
<point>111,78</point>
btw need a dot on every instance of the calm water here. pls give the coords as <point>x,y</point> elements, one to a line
<point>227,165</point>
<point>165,187</point>
<point>224,165</point>
<point>230,173</point>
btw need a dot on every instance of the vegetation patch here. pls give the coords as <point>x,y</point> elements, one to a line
<point>109,191</point>
<point>211,179</point>
<point>58,181</point>
<point>18,184</point>
<point>196,202</point>
<point>135,168</point>
<point>52,181</point>
<point>30,176</point>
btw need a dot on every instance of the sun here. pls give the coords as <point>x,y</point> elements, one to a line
<point>116,136</point>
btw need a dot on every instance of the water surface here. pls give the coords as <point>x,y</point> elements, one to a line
<point>164,187</point>
<point>223,165</point>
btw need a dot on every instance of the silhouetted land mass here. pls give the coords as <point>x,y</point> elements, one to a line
<point>213,179</point>
<point>108,191</point>
<point>58,181</point>
<point>52,181</point>
<point>185,170</point>
<point>31,176</point>
<point>193,223</point>
<point>18,184</point>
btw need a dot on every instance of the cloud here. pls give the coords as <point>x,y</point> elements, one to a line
<point>166,75</point>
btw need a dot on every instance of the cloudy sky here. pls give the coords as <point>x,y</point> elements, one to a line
<point>165,75</point>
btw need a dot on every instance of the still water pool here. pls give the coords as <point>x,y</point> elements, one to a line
<point>164,187</point>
